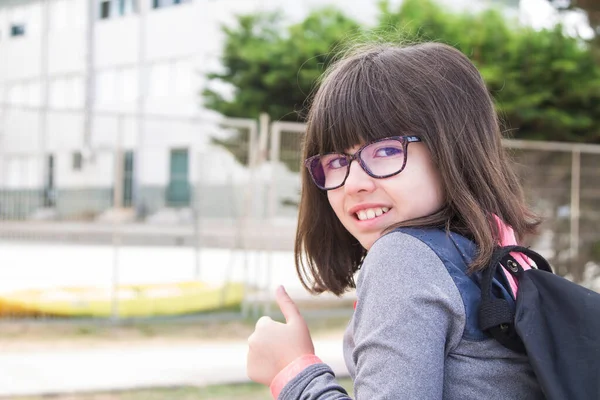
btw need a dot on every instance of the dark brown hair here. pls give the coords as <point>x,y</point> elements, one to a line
<point>429,90</point>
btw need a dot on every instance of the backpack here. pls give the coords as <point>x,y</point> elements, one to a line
<point>555,322</point>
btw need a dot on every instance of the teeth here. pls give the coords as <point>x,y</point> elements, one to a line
<point>371,213</point>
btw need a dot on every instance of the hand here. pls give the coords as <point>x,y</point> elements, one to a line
<point>274,345</point>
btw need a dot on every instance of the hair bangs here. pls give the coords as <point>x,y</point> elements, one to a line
<point>353,107</point>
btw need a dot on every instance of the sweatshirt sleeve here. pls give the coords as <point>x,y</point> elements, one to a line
<point>409,316</point>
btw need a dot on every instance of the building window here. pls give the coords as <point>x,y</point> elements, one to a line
<point>116,8</point>
<point>49,190</point>
<point>167,3</point>
<point>126,7</point>
<point>178,190</point>
<point>105,9</point>
<point>77,161</point>
<point>17,30</point>
<point>128,164</point>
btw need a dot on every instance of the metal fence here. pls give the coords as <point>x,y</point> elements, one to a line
<point>561,182</point>
<point>144,209</point>
<point>158,209</point>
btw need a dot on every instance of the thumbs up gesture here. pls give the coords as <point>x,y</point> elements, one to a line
<point>274,345</point>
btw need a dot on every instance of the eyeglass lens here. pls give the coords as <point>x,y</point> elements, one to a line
<point>379,159</point>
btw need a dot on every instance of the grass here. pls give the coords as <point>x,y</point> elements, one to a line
<point>66,334</point>
<point>245,391</point>
<point>32,336</point>
<point>203,329</point>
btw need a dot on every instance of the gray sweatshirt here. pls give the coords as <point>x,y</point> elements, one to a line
<point>414,333</point>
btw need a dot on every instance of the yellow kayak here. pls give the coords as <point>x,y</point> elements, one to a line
<point>133,300</point>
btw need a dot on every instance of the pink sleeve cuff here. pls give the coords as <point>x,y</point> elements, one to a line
<point>290,372</point>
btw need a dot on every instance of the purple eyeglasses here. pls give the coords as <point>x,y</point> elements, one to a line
<point>381,158</point>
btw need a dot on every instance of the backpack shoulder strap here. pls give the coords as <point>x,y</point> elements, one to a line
<point>496,316</point>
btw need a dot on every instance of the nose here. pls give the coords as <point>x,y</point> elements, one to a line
<point>358,180</point>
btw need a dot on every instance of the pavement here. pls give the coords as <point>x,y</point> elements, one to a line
<point>56,371</point>
<point>251,234</point>
<point>95,370</point>
<point>48,263</point>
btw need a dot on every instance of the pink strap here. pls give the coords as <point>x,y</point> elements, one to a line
<point>507,238</point>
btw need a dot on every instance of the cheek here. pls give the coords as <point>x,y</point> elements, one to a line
<point>419,190</point>
<point>336,200</point>
<point>434,192</point>
<point>437,189</point>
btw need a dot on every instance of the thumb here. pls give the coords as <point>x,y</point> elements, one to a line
<point>286,305</point>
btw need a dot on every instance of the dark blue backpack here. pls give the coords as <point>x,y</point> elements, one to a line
<point>556,323</point>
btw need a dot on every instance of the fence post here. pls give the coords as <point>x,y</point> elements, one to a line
<point>575,196</point>
<point>274,155</point>
<point>117,208</point>
<point>118,173</point>
<point>196,214</point>
<point>263,136</point>
<point>255,157</point>
<point>264,131</point>
<point>3,167</point>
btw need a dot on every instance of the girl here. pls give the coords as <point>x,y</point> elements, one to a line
<point>406,180</point>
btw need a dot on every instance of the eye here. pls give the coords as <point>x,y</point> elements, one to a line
<point>337,162</point>
<point>388,151</point>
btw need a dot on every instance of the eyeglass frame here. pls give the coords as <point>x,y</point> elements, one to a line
<point>405,140</point>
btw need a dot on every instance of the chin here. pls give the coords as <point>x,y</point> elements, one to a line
<point>367,243</point>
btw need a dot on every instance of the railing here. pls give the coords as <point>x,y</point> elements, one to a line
<point>101,213</point>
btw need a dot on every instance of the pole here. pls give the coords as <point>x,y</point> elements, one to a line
<point>196,215</point>
<point>43,110</point>
<point>575,200</point>
<point>274,155</point>
<point>141,101</point>
<point>89,80</point>
<point>3,166</point>
<point>254,159</point>
<point>117,207</point>
<point>119,166</point>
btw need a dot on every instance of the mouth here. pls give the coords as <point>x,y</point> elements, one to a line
<point>371,213</point>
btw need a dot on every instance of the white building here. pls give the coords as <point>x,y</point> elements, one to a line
<point>76,74</point>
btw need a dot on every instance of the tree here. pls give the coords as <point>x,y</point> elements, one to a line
<point>590,7</point>
<point>546,85</point>
<point>274,68</point>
